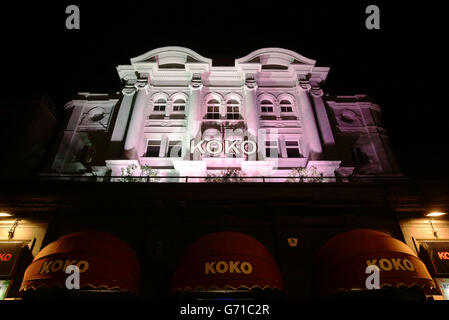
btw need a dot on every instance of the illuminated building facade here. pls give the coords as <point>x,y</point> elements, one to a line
<point>181,116</point>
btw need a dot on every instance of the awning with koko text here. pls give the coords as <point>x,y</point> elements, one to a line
<point>104,262</point>
<point>343,262</point>
<point>226,261</point>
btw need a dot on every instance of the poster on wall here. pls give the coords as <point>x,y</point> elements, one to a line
<point>443,284</point>
<point>4,285</point>
<point>438,253</point>
<point>9,254</point>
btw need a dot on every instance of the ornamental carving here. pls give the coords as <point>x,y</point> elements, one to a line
<point>250,81</point>
<point>196,81</point>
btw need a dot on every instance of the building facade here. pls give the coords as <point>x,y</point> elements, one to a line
<point>181,116</point>
<point>181,119</point>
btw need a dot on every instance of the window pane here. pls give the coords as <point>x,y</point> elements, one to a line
<point>271,152</point>
<point>153,151</point>
<point>293,153</point>
<point>174,149</point>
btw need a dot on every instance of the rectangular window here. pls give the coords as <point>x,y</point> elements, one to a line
<point>292,148</point>
<point>233,113</point>
<point>179,108</point>
<point>271,149</point>
<point>286,109</point>
<point>358,156</point>
<point>159,108</point>
<point>153,149</point>
<point>267,109</point>
<point>174,149</point>
<point>213,112</point>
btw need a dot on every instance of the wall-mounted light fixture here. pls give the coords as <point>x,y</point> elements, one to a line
<point>12,231</point>
<point>5,214</point>
<point>436,214</point>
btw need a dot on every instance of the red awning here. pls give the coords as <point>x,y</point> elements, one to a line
<point>226,261</point>
<point>344,258</point>
<point>105,262</point>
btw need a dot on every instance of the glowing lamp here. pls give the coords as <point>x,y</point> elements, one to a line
<point>5,214</point>
<point>435,214</point>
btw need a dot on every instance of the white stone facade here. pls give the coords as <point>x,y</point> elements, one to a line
<point>174,103</point>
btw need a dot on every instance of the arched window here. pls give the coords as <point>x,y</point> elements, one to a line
<point>213,109</point>
<point>233,110</point>
<point>160,105</point>
<point>266,106</point>
<point>179,106</point>
<point>286,106</point>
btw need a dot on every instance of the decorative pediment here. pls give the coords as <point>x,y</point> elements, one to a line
<point>171,56</point>
<point>275,58</point>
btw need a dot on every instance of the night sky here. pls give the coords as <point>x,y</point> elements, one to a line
<point>402,65</point>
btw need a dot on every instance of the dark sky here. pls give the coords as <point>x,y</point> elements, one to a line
<point>402,65</point>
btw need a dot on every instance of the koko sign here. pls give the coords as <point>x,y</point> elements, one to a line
<point>213,147</point>
<point>387,264</point>
<point>221,267</point>
<point>60,265</point>
<point>9,253</point>
<point>438,252</point>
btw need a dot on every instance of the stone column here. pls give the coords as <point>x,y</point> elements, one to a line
<point>323,122</point>
<point>164,147</point>
<point>168,109</point>
<point>136,124</point>
<point>308,121</point>
<point>251,112</point>
<point>194,116</point>
<point>121,122</point>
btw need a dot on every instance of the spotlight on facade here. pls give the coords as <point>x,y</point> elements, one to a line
<point>435,214</point>
<point>5,214</point>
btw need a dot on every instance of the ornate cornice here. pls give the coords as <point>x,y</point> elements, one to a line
<point>304,84</point>
<point>250,82</point>
<point>141,84</point>
<point>196,82</point>
<point>316,90</point>
<point>129,90</point>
